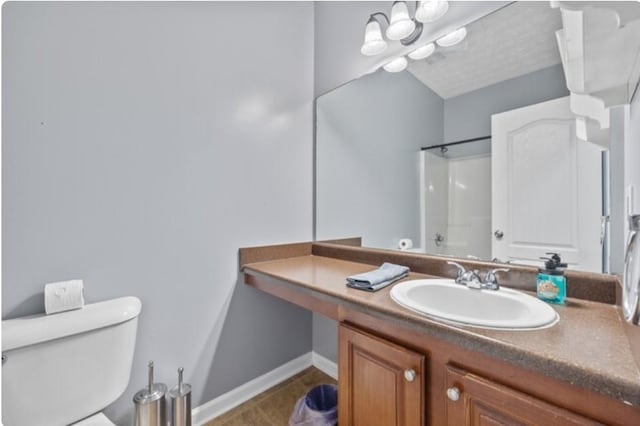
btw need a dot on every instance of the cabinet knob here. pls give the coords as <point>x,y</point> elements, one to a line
<point>453,393</point>
<point>410,375</point>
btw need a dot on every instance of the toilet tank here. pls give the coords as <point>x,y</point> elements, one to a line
<point>58,369</point>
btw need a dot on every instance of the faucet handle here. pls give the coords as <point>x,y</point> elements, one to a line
<point>472,279</point>
<point>491,279</point>
<point>461,270</point>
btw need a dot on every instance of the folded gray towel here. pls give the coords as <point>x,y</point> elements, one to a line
<point>379,278</point>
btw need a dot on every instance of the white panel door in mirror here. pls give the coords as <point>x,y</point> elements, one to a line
<point>547,187</point>
<point>541,182</point>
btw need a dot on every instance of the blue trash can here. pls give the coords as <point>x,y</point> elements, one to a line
<point>319,407</point>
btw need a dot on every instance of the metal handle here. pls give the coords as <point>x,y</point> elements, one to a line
<point>150,387</point>
<point>472,279</point>
<point>603,228</point>
<point>498,234</point>
<point>410,375</point>
<point>453,393</point>
<point>461,270</point>
<point>491,279</point>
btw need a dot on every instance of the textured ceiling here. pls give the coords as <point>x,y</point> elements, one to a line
<point>511,42</point>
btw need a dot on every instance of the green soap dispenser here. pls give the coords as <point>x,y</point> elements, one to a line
<point>552,284</point>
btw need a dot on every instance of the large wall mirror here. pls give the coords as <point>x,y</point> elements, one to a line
<point>471,152</point>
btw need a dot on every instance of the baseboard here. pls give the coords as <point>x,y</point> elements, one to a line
<point>225,402</point>
<point>325,365</point>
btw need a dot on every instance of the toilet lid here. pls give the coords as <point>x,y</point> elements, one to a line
<point>95,420</point>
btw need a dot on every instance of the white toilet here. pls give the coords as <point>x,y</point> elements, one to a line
<point>65,368</point>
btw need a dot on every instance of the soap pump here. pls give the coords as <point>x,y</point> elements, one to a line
<point>551,285</point>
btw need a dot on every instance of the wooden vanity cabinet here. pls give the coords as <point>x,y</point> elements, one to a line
<point>394,370</point>
<point>474,400</point>
<point>381,383</point>
<point>385,383</point>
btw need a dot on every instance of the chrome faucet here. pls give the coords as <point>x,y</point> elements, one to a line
<point>465,277</point>
<point>471,278</point>
<point>491,280</point>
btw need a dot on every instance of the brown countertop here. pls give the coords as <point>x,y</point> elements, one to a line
<point>588,347</point>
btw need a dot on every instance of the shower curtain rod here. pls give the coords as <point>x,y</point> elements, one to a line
<point>444,145</point>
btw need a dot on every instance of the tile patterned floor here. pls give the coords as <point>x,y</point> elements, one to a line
<point>273,407</point>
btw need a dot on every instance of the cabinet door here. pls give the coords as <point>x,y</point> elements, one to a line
<point>381,383</point>
<point>474,400</point>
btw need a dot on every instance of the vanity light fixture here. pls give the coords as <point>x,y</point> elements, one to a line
<point>452,38</point>
<point>423,51</point>
<point>396,64</point>
<point>431,10</point>
<point>373,44</point>
<point>401,25</point>
<point>407,30</point>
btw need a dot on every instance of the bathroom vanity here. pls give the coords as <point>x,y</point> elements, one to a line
<point>399,367</point>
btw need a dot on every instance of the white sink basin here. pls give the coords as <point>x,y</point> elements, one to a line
<point>496,309</point>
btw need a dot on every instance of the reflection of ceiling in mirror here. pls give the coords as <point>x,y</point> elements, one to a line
<point>511,42</point>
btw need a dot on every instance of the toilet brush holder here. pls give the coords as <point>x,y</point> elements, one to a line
<point>150,403</point>
<point>180,402</point>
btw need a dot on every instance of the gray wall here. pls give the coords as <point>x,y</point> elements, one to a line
<point>368,137</point>
<point>325,337</point>
<point>618,226</point>
<point>632,153</point>
<point>469,116</point>
<point>143,144</point>
<point>339,33</point>
<point>625,173</point>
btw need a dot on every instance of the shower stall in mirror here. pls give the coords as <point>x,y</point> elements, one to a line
<point>456,198</point>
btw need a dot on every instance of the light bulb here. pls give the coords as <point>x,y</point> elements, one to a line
<point>401,25</point>
<point>423,51</point>
<point>431,10</point>
<point>396,65</point>
<point>452,38</point>
<point>373,44</point>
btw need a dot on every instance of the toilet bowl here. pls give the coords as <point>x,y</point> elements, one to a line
<point>65,368</point>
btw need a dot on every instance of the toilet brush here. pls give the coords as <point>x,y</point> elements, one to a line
<point>181,402</point>
<point>150,403</point>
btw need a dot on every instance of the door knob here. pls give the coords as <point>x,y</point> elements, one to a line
<point>410,375</point>
<point>453,393</point>
<point>498,234</point>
